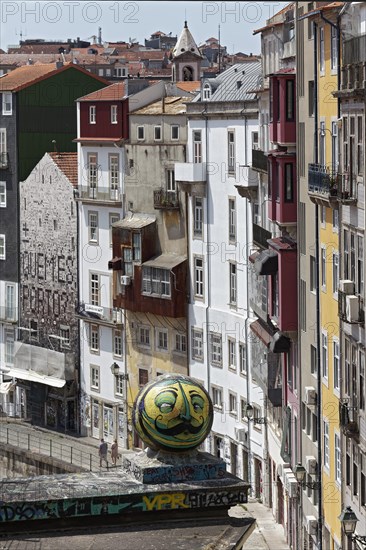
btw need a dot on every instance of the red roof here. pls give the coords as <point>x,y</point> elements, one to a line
<point>189,86</point>
<point>68,164</point>
<point>114,92</point>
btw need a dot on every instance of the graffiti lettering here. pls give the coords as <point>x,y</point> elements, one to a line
<point>159,502</point>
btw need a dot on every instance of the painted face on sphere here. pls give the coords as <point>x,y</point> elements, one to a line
<point>173,413</point>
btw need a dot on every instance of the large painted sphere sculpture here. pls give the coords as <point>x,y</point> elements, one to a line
<point>173,413</point>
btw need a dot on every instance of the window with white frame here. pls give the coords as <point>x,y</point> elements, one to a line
<point>335,220</point>
<point>161,339</point>
<point>174,132</point>
<point>113,218</point>
<point>136,247</point>
<point>198,276</point>
<point>171,186</point>
<point>94,289</point>
<point>64,337</point>
<point>114,119</point>
<point>10,301</point>
<point>243,409</point>
<point>360,265</point>
<point>180,343</point>
<point>92,174</point>
<point>197,146</point>
<point>114,176</point>
<point>127,261</point>
<point>242,359</point>
<point>197,344</point>
<point>361,385</point>
<point>3,147</point>
<point>119,384</point>
<point>144,337</point>
<point>94,338</point>
<point>324,354</point>
<point>198,216</point>
<point>2,247</point>
<point>326,443</point>
<point>9,346</point>
<point>140,133</point>
<point>157,133</point>
<point>93,226</point>
<point>7,103</point>
<point>120,72</point>
<point>231,151</point>
<point>94,378</point>
<point>335,272</point>
<point>2,194</point>
<point>232,353</point>
<point>233,283</point>
<point>206,92</point>
<point>156,282</point>
<point>321,50</point>
<point>323,266</point>
<point>215,349</point>
<point>322,143</point>
<point>117,342</point>
<point>333,49</point>
<point>337,458</point>
<point>92,114</point>
<point>232,220</point>
<point>360,145</point>
<point>336,366</point>
<point>233,404</point>
<point>334,147</point>
<point>216,397</point>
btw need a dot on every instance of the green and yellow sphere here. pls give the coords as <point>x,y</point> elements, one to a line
<point>173,413</point>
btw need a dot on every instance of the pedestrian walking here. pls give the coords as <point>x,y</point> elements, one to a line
<point>114,452</point>
<point>103,452</point>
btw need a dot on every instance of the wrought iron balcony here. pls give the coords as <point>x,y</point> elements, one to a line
<point>323,184</point>
<point>4,160</point>
<point>259,160</point>
<point>260,236</point>
<point>351,308</point>
<point>354,50</point>
<point>165,200</point>
<point>102,194</point>
<point>93,313</point>
<point>348,419</point>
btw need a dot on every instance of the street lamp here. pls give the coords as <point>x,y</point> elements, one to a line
<point>115,369</point>
<point>300,478</point>
<point>348,521</point>
<point>254,419</point>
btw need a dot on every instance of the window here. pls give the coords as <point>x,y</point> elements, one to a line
<point>157,133</point>
<point>180,343</point>
<point>136,247</point>
<point>232,354</point>
<point>255,142</point>
<point>3,147</point>
<point>114,176</point>
<point>345,143</point>
<point>289,183</point>
<point>243,410</point>
<point>242,359</point>
<point>174,132</point>
<point>312,274</point>
<point>326,443</point>
<point>144,337</point>
<point>216,397</point>
<point>333,49</point>
<point>336,366</point>
<point>10,302</point>
<point>93,226</point>
<point>64,337</point>
<point>156,281</point>
<point>233,283</point>
<point>2,247</point>
<point>143,377</point>
<point>92,114</point>
<point>140,133</point>
<point>322,143</point>
<point>197,146</point>
<point>119,72</point>
<point>198,276</point>
<point>231,151</point>
<point>197,344</point>
<point>117,342</point>
<point>127,260</point>
<point>361,364</point>
<point>232,220</point>
<point>345,254</point>
<point>321,50</point>
<point>92,175</point>
<point>310,22</point>
<point>119,383</point>
<point>215,349</point>
<point>335,220</point>
<point>359,145</point>
<point>335,272</point>
<point>303,305</point>
<point>171,186</point>
<point>161,339</point>
<point>360,274</point>
<point>290,99</point>
<point>313,360</point>
<point>323,266</point>
<point>324,354</point>
<point>9,346</point>
<point>7,103</point>
<point>206,92</point>
<point>233,404</point>
<point>94,338</point>
<point>113,218</point>
<point>311,97</point>
<point>2,194</point>
<point>94,289</point>
<point>198,216</point>
<point>334,147</point>
<point>94,378</point>
<point>114,114</point>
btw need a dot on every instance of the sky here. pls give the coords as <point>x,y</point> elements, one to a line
<point>135,19</point>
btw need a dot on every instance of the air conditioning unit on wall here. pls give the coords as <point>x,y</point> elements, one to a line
<point>347,286</point>
<point>125,280</point>
<point>241,435</point>
<point>311,525</point>
<point>310,395</point>
<point>352,309</point>
<point>310,462</point>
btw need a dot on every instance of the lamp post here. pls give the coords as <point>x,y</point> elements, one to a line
<point>254,419</point>
<point>300,473</point>
<point>348,521</point>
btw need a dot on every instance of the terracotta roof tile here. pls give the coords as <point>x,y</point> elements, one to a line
<point>68,164</point>
<point>21,59</point>
<point>114,92</point>
<point>189,86</point>
<point>39,48</point>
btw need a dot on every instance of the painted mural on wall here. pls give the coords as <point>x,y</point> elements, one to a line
<point>173,413</point>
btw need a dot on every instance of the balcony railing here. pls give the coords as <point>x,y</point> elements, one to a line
<point>104,194</point>
<point>260,236</point>
<point>259,160</point>
<point>347,188</point>
<point>91,312</point>
<point>351,308</point>
<point>164,199</point>
<point>8,314</point>
<point>322,180</point>
<point>354,50</point>
<point>348,418</point>
<point>4,162</point>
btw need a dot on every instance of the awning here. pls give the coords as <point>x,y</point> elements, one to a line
<point>280,343</point>
<point>35,377</point>
<point>135,221</point>
<point>115,263</point>
<point>266,263</point>
<point>165,261</point>
<point>261,332</point>
<point>5,387</point>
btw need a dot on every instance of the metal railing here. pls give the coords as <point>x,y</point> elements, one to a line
<point>347,188</point>
<point>322,180</point>
<point>259,160</point>
<point>99,313</point>
<point>165,199</point>
<point>105,194</point>
<point>354,50</point>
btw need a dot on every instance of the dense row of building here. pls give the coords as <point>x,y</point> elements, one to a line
<point>209,226</point>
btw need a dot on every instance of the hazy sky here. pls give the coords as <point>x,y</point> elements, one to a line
<point>133,19</point>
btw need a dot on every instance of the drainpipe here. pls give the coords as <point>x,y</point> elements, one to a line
<point>318,341</point>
